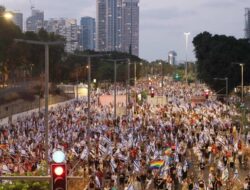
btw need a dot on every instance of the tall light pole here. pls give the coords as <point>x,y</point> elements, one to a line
<point>135,75</point>
<point>127,89</point>
<point>242,79</point>
<point>89,83</point>
<point>162,77</point>
<point>46,95</point>
<point>115,76</point>
<point>186,64</point>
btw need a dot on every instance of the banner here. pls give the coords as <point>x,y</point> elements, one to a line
<point>109,99</point>
<point>198,99</point>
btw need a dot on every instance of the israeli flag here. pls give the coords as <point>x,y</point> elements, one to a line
<point>107,140</point>
<point>130,187</point>
<point>113,164</point>
<point>102,149</point>
<point>84,154</point>
<point>137,165</point>
<point>97,181</point>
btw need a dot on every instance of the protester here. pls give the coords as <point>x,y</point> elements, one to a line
<point>167,146</point>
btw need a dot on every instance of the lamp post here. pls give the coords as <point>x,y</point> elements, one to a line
<point>115,76</point>
<point>186,64</point>
<point>242,79</point>
<point>162,77</point>
<point>89,82</point>
<point>127,89</point>
<point>46,96</point>
<point>7,15</point>
<point>135,69</point>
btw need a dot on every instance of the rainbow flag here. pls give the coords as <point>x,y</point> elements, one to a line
<point>156,164</point>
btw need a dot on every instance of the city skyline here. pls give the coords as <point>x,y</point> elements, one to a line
<point>162,24</point>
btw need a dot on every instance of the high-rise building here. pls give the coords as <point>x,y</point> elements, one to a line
<point>87,33</point>
<point>18,19</point>
<point>101,25</point>
<point>35,22</point>
<point>172,57</point>
<point>66,28</point>
<point>117,26</point>
<point>247,20</point>
<point>130,26</point>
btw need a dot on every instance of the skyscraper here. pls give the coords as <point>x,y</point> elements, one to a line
<point>130,26</point>
<point>18,20</point>
<point>66,28</point>
<point>247,25</point>
<point>101,25</point>
<point>35,22</point>
<point>87,33</point>
<point>117,26</point>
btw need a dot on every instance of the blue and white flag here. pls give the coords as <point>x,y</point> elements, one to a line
<point>103,150</point>
<point>122,157</point>
<point>113,164</point>
<point>107,140</point>
<point>130,187</point>
<point>137,165</point>
<point>84,154</point>
<point>97,181</point>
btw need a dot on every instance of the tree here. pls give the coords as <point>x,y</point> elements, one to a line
<point>215,57</point>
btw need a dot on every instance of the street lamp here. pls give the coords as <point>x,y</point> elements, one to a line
<point>135,64</point>
<point>242,79</point>
<point>46,116</point>
<point>7,15</point>
<point>186,38</point>
<point>115,76</point>
<point>161,77</point>
<point>89,82</point>
<point>127,89</point>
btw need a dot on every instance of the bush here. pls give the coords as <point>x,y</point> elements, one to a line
<point>25,185</point>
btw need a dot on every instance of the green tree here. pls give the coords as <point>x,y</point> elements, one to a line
<point>215,57</point>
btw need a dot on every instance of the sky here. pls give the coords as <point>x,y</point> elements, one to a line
<point>162,22</point>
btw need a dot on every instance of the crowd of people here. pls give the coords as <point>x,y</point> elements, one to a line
<point>181,144</point>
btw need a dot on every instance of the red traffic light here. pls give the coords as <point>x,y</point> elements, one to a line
<point>59,176</point>
<point>58,170</point>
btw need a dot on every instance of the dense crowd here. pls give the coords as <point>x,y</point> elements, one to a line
<point>179,145</point>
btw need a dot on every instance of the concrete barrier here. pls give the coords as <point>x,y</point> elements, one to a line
<point>14,116</point>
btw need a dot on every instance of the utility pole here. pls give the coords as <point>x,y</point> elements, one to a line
<point>115,77</point>
<point>186,64</point>
<point>242,81</point>
<point>46,96</point>
<point>127,89</point>
<point>89,83</point>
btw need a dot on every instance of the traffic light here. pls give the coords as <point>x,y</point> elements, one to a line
<point>59,176</point>
<point>152,93</point>
<point>206,94</point>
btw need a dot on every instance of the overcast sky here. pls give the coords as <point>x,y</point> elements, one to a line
<point>162,22</point>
